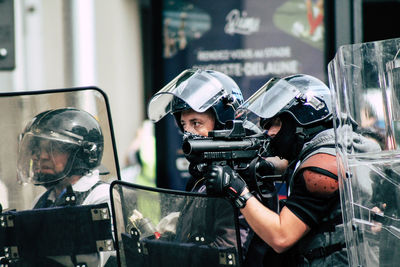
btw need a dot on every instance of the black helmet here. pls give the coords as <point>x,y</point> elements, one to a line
<point>198,90</point>
<point>305,98</point>
<point>58,131</point>
<point>314,103</point>
<point>302,101</point>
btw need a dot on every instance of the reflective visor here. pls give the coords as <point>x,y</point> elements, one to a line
<point>196,88</point>
<point>43,160</point>
<point>268,100</point>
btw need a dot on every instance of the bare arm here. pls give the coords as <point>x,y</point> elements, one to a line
<point>280,231</point>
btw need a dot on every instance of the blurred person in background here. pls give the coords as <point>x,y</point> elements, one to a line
<point>141,157</point>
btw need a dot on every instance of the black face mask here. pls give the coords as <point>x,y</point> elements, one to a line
<point>286,144</point>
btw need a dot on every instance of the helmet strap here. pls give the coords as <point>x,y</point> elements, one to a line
<point>306,134</point>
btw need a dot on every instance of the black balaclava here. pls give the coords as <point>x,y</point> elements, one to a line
<point>286,143</point>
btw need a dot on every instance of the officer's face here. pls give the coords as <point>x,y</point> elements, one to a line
<point>197,123</point>
<point>49,158</point>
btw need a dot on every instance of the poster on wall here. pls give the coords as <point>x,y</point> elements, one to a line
<point>249,40</point>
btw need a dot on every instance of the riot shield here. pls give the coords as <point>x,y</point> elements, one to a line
<point>158,227</point>
<point>29,229</point>
<point>365,81</point>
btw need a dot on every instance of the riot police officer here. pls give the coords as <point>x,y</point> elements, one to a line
<point>296,111</point>
<point>61,150</point>
<point>202,101</point>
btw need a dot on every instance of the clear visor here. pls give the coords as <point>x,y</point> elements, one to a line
<point>196,88</point>
<point>43,160</point>
<point>268,100</point>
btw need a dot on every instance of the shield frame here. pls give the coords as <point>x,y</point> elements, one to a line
<point>364,80</point>
<point>116,214</point>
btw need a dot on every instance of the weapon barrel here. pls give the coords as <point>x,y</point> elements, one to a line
<point>208,145</point>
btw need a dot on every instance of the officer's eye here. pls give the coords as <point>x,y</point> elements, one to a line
<point>196,124</point>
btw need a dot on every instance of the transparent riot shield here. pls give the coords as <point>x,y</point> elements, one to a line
<point>43,234</point>
<point>158,227</point>
<point>365,80</point>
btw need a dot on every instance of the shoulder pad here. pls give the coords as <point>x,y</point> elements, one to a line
<point>323,161</point>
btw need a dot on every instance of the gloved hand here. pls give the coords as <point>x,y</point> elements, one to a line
<point>261,167</point>
<point>196,170</point>
<point>264,167</point>
<point>222,180</point>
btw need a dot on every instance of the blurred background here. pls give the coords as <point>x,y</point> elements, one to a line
<point>131,48</point>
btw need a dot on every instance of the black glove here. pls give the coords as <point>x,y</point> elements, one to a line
<point>265,167</point>
<point>196,170</point>
<point>258,166</point>
<point>222,180</point>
